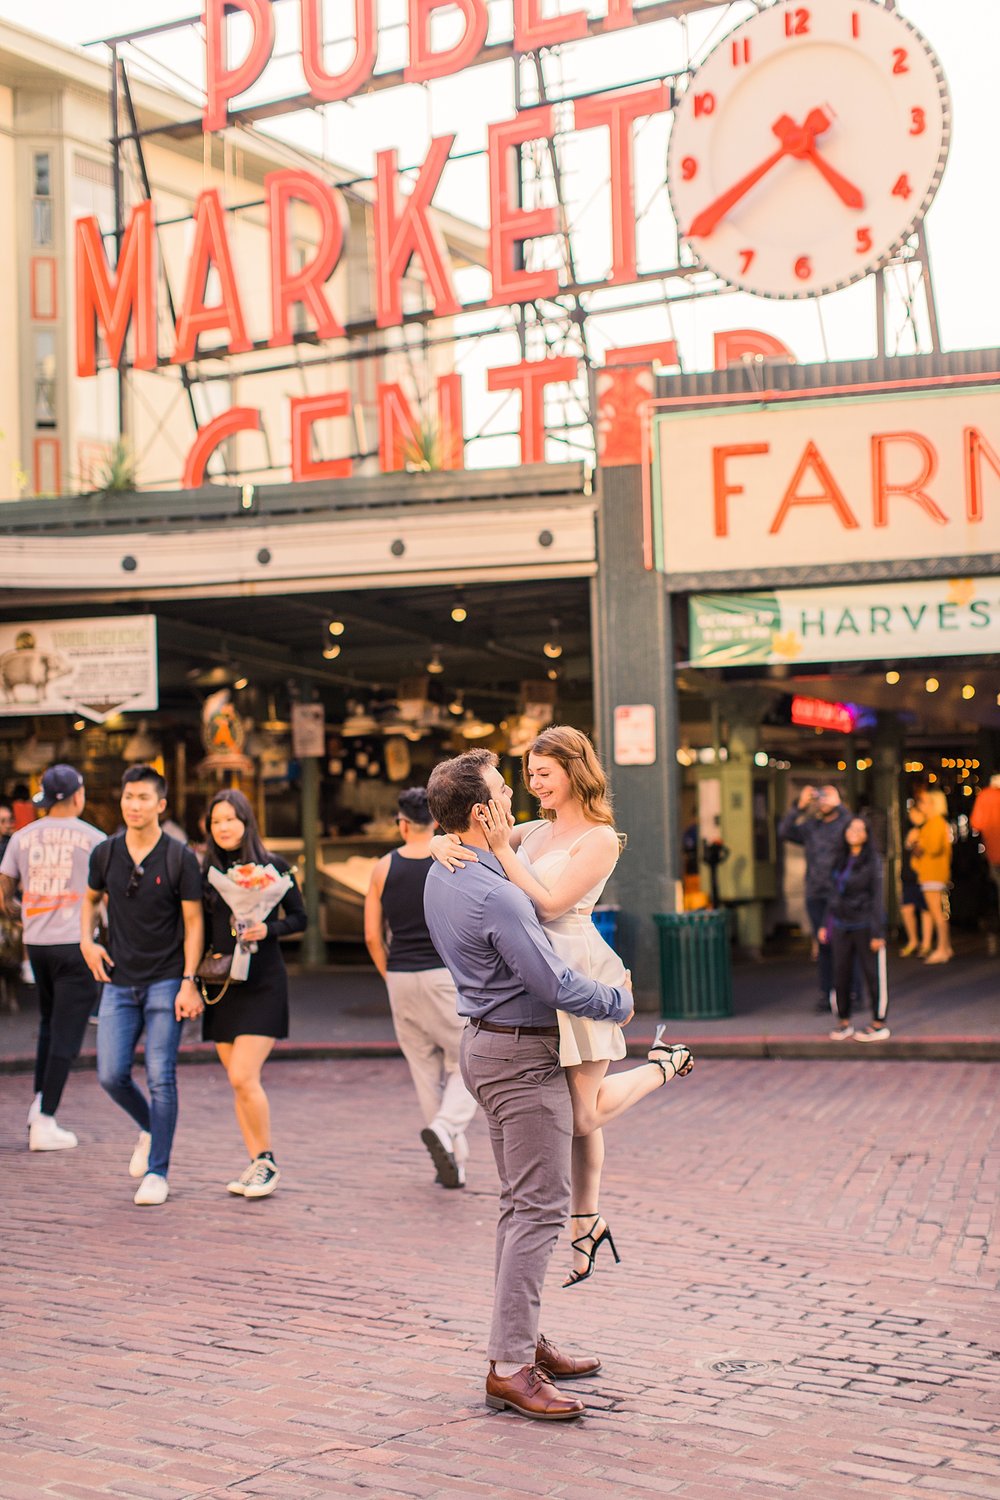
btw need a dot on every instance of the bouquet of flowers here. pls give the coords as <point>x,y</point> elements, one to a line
<point>251,892</point>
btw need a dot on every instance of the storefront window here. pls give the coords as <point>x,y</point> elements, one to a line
<point>45,379</point>
<point>41,215</point>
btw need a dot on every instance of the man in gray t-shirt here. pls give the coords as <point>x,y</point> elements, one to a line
<point>49,860</point>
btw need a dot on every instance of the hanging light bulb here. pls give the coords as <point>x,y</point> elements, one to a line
<point>552,674</point>
<point>435,665</point>
<point>336,627</point>
<point>331,652</point>
<point>458,609</point>
<point>552,647</point>
<point>457,704</point>
<point>241,683</point>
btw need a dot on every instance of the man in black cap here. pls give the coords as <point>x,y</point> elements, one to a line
<point>49,859</point>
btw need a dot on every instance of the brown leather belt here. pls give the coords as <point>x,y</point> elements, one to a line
<point>516,1030</point>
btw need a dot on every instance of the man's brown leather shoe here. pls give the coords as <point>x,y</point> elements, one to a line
<point>530,1392</point>
<point>563,1366</point>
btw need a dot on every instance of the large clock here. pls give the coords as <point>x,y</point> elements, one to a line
<point>808,145</point>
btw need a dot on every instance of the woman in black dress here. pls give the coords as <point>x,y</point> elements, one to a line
<point>251,1015</point>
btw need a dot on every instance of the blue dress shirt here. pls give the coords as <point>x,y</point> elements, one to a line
<point>503,965</point>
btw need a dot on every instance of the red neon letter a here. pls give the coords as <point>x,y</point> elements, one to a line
<point>211,248</point>
<point>105,303</point>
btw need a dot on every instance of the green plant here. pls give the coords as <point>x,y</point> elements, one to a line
<point>117,474</point>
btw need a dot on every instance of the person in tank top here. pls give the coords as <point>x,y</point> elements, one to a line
<point>562,861</point>
<point>422,994</point>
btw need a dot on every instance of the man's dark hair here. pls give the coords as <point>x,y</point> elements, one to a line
<point>145,773</point>
<point>455,786</point>
<point>412,805</point>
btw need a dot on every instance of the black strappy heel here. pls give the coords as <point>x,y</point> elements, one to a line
<point>595,1241</point>
<point>679,1058</point>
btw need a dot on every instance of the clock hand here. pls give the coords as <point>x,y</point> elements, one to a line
<point>802,145</point>
<point>703,224</point>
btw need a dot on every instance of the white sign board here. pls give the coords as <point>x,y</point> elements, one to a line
<point>933,617</point>
<point>635,734</point>
<point>308,730</point>
<point>841,480</point>
<point>92,667</point>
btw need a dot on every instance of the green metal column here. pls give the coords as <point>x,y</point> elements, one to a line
<point>313,952</point>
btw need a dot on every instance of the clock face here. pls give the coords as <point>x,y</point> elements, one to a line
<point>808,146</point>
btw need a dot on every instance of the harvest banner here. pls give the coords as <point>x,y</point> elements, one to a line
<point>940,617</point>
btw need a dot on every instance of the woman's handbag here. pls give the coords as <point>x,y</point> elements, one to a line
<point>215,968</point>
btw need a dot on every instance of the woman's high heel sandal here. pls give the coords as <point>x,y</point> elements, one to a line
<point>593,1240</point>
<point>678,1058</point>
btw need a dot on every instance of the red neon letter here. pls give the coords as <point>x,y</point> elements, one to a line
<point>975,447</point>
<point>403,229</point>
<point>831,493</point>
<point>226,425</point>
<point>721,488</point>
<point>305,285</point>
<point>619,113</point>
<point>402,441</point>
<point>510,225</point>
<point>531,377</point>
<point>532,32</point>
<point>424,61</point>
<point>619,15</point>
<point>221,82</point>
<point>913,488</point>
<point>211,247</point>
<point>734,345</point>
<point>329,86</point>
<point>105,304</point>
<point>307,410</point>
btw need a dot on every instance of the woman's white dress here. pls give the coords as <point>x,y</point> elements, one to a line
<point>575,938</point>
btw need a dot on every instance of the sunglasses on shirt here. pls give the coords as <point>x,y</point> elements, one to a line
<point>133,881</point>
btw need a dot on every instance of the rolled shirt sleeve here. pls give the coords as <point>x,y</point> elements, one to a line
<point>513,929</point>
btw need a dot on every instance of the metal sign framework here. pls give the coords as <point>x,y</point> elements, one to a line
<point>565,324</point>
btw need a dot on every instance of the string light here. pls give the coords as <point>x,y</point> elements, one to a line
<point>336,627</point>
<point>932,685</point>
<point>892,678</point>
<point>435,665</point>
<point>968,691</point>
<point>331,652</point>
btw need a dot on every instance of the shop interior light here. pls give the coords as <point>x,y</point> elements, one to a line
<point>967,792</point>
<point>458,610</point>
<point>968,690</point>
<point>932,685</point>
<point>842,765</point>
<point>553,675</point>
<point>241,683</point>
<point>435,665</point>
<point>331,652</point>
<point>336,627</point>
<point>892,678</point>
<point>79,724</point>
<point>473,727</point>
<point>457,705</point>
<point>760,758</point>
<point>552,648</point>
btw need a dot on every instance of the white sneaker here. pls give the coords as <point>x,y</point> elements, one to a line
<point>238,1185</point>
<point>262,1179</point>
<point>45,1135</point>
<point>139,1164</point>
<point>34,1110</point>
<point>151,1190</point>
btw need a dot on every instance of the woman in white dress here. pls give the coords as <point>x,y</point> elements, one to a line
<point>562,861</point>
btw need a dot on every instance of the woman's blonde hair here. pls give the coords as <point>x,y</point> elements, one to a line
<point>578,758</point>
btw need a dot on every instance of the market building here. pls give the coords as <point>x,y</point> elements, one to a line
<point>754,587</point>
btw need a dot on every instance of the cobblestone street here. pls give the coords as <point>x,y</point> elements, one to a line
<point>806,1307</point>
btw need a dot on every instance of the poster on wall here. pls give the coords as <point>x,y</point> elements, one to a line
<point>635,734</point>
<point>93,667</point>
<point>308,730</point>
<point>936,617</point>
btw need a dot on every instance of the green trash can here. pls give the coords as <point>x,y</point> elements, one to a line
<point>696,979</point>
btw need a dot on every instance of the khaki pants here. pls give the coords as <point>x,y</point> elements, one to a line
<point>429,1032</point>
<point>523,1090</point>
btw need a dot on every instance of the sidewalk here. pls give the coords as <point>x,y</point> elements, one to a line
<point>806,1307</point>
<point>945,1013</point>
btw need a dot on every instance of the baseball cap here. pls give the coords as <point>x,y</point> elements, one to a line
<point>58,783</point>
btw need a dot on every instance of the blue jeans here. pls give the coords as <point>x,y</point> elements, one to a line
<point>126,1011</point>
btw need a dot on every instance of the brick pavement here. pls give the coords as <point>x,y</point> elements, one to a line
<point>824,1231</point>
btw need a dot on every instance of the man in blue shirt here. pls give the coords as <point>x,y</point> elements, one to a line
<point>510,985</point>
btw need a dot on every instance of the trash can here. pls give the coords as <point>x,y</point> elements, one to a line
<point>696,980</point>
<point>605,919</point>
